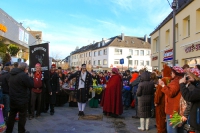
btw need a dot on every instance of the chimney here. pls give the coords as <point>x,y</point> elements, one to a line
<point>145,38</point>
<point>122,36</point>
<point>103,42</point>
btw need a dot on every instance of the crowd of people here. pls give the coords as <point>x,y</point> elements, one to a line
<point>152,94</point>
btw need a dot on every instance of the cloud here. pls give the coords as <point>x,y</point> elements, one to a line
<point>123,4</point>
<point>35,24</point>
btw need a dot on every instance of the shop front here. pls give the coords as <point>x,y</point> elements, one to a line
<point>193,51</point>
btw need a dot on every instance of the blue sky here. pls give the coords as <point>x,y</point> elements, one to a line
<point>70,23</point>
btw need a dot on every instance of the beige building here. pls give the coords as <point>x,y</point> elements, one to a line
<point>187,32</point>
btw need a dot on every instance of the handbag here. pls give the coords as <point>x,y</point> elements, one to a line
<point>187,126</point>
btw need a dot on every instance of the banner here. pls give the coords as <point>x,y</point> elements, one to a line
<point>168,55</point>
<point>39,54</point>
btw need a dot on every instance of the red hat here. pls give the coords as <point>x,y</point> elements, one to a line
<point>195,71</point>
<point>166,71</point>
<point>37,65</point>
<point>178,69</point>
<point>115,70</point>
<point>53,65</point>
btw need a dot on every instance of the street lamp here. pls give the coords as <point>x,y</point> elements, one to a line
<point>128,57</point>
<point>174,5</point>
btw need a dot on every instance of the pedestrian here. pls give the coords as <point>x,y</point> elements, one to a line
<point>112,96</point>
<point>39,79</point>
<point>82,87</point>
<point>159,101</point>
<point>172,96</point>
<point>19,83</point>
<point>144,94</point>
<point>55,87</point>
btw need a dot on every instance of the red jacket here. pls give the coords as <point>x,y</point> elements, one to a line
<point>172,96</point>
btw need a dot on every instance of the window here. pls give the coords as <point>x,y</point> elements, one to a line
<point>118,51</point>
<point>141,52</point>
<point>186,27</point>
<point>141,63</point>
<point>95,53</point>
<point>130,52</point>
<point>85,62</point>
<point>130,62</point>
<point>167,41</point>
<point>176,32</point>
<point>99,62</point>
<point>116,61</point>
<point>90,54</point>
<point>94,62</point>
<point>85,54</point>
<point>147,52</point>
<point>136,52</point>
<point>135,62</point>
<point>100,52</point>
<point>105,62</point>
<point>155,45</point>
<point>89,62</point>
<point>105,51</point>
<point>147,63</point>
<point>198,20</point>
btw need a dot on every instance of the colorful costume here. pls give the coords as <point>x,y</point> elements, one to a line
<point>159,99</point>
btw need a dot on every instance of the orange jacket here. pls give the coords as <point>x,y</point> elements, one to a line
<point>134,76</point>
<point>172,96</point>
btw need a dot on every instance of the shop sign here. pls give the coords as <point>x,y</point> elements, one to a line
<point>3,28</point>
<point>168,55</point>
<point>154,58</point>
<point>192,48</point>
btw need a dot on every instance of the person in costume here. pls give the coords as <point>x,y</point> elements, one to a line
<point>159,101</point>
<point>112,96</point>
<point>82,87</point>
<point>55,86</point>
<point>172,96</point>
<point>39,79</point>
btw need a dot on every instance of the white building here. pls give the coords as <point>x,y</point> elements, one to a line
<point>107,53</point>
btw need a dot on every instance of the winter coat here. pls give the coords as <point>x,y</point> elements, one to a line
<point>19,83</point>
<point>4,79</point>
<point>144,93</point>
<point>194,98</point>
<point>172,96</point>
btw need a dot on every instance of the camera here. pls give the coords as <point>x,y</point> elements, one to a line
<point>187,78</point>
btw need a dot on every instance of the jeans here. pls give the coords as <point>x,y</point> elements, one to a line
<point>35,97</point>
<point>14,108</point>
<point>170,129</point>
<point>6,102</point>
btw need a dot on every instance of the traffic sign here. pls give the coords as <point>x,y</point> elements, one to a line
<point>121,61</point>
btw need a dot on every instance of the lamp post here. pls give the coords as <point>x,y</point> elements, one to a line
<point>128,57</point>
<point>174,5</point>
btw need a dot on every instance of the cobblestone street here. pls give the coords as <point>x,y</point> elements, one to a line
<point>65,120</point>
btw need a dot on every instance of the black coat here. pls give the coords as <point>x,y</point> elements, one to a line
<point>55,87</point>
<point>4,79</point>
<point>88,84</point>
<point>194,98</point>
<point>19,84</point>
<point>144,93</point>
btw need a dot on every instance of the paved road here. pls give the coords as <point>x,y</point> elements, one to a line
<point>65,120</point>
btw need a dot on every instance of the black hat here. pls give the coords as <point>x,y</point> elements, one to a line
<point>83,65</point>
<point>59,67</point>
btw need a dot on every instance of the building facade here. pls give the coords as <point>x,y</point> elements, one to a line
<point>106,54</point>
<point>12,32</point>
<point>187,37</point>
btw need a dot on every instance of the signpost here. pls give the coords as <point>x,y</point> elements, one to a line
<point>122,62</point>
<point>128,57</point>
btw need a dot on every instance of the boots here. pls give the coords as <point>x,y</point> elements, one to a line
<point>147,124</point>
<point>141,124</point>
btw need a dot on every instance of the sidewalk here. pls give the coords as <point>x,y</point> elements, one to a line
<point>65,120</point>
